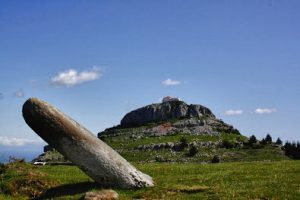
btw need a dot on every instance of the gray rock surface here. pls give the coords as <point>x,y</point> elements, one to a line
<point>51,157</point>
<point>169,118</point>
<point>163,112</point>
<point>91,155</point>
<point>102,195</point>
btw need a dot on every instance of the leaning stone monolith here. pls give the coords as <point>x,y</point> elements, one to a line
<point>90,154</point>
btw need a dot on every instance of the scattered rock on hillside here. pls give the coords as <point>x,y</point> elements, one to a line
<point>51,157</point>
<point>175,146</point>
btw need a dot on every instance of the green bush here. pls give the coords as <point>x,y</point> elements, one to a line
<point>2,168</point>
<point>193,151</point>
<point>216,159</point>
<point>228,144</point>
<point>183,143</point>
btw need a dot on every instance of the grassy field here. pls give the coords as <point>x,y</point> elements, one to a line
<point>247,180</point>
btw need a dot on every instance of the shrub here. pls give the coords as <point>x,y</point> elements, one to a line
<point>215,159</point>
<point>193,151</point>
<point>18,178</point>
<point>228,144</point>
<point>2,168</point>
<point>236,132</point>
<point>183,143</point>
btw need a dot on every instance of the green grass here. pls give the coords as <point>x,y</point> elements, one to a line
<point>248,180</point>
<point>22,180</point>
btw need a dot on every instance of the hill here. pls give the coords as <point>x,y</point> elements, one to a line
<point>174,131</point>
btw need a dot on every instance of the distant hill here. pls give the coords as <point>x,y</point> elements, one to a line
<point>170,118</point>
<point>174,131</point>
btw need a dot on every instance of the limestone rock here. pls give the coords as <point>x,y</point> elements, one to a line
<point>164,111</point>
<point>77,144</point>
<point>102,195</point>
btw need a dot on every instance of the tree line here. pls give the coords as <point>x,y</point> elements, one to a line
<point>291,149</point>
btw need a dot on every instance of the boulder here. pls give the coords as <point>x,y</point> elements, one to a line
<point>101,195</point>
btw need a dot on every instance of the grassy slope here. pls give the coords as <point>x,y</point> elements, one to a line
<point>127,147</point>
<point>255,180</point>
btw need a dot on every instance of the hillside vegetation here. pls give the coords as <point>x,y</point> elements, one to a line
<point>177,132</point>
<point>176,148</point>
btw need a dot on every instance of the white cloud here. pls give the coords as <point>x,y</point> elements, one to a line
<point>6,141</point>
<point>72,77</point>
<point>265,110</point>
<point>170,82</point>
<point>233,112</point>
<point>19,94</point>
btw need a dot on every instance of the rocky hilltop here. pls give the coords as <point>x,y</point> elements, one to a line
<point>170,118</point>
<point>164,111</point>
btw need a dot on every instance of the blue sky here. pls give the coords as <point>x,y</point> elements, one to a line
<point>97,60</point>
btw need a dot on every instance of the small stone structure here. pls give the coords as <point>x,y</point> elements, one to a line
<point>90,154</point>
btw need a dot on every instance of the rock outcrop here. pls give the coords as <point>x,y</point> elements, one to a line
<point>51,157</point>
<point>167,118</point>
<point>163,112</point>
<point>91,155</point>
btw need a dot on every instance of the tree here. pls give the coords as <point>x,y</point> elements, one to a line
<point>263,141</point>
<point>278,141</point>
<point>292,150</point>
<point>252,140</point>
<point>268,139</point>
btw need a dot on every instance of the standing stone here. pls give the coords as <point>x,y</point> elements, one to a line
<point>90,154</point>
